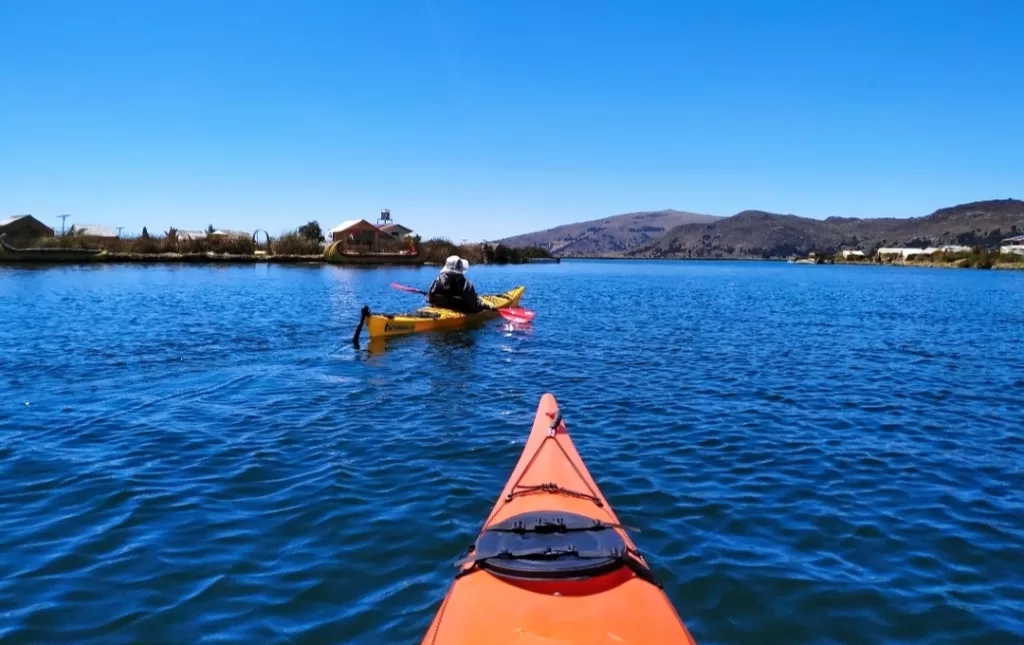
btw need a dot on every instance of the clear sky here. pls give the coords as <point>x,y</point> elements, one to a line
<point>478,119</point>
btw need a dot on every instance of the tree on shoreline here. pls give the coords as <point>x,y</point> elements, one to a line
<point>311,231</point>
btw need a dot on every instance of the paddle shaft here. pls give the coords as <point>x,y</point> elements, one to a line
<point>364,313</point>
<point>402,287</point>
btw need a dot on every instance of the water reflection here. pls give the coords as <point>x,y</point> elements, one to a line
<point>448,343</point>
<point>444,342</point>
<point>376,347</point>
<point>516,329</point>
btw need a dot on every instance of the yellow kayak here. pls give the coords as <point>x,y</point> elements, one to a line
<point>437,318</point>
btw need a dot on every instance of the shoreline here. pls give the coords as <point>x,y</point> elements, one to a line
<point>242,259</point>
<point>1001,266</point>
<point>207,258</point>
<point>633,259</point>
<point>168,258</point>
<point>292,249</point>
<point>996,266</point>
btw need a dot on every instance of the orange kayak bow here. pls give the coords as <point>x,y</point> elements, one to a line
<point>552,564</point>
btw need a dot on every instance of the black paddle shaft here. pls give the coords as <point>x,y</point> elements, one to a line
<point>364,313</point>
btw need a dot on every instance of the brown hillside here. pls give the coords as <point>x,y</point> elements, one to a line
<point>611,236</point>
<point>768,235</point>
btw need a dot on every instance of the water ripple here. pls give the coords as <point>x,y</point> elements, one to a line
<point>812,454</point>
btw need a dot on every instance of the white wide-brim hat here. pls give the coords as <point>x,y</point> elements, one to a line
<point>455,264</point>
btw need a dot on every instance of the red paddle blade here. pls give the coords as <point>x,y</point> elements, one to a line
<point>517,314</point>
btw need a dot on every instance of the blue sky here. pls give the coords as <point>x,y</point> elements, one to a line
<point>475,119</point>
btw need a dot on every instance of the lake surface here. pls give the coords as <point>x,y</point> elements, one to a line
<point>814,454</point>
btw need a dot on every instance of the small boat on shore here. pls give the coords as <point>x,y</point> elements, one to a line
<point>336,253</point>
<point>544,260</point>
<point>10,253</point>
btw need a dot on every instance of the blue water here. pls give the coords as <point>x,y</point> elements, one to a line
<point>814,454</point>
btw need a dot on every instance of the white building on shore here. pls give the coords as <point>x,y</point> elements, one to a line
<point>1014,245</point>
<point>906,253</point>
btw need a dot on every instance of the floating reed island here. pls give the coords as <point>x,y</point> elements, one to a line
<point>354,243</point>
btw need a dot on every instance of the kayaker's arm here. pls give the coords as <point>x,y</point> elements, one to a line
<point>469,296</point>
<point>432,291</point>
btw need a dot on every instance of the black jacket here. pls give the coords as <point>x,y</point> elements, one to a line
<point>453,291</point>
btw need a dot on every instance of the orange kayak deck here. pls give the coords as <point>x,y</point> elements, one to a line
<point>552,565</point>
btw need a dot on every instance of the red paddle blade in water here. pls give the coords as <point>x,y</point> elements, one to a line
<point>517,314</point>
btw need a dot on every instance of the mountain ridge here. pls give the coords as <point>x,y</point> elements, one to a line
<point>762,234</point>
<point>608,236</point>
<point>753,234</point>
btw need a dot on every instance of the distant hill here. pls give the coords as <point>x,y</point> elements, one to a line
<point>611,236</point>
<point>757,234</point>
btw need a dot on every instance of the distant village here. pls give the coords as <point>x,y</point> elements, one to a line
<point>386,241</point>
<point>1009,246</point>
<point>25,238</point>
<point>356,232</point>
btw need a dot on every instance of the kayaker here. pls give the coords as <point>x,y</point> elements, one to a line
<point>451,289</point>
